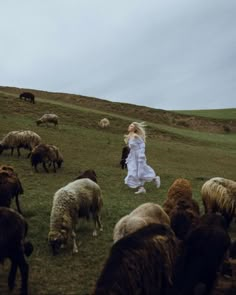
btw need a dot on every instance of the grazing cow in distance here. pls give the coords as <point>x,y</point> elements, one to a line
<point>27,96</point>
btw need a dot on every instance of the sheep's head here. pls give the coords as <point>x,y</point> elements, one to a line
<point>1,147</point>
<point>38,122</point>
<point>57,239</point>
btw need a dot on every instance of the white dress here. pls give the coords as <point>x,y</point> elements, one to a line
<point>138,170</point>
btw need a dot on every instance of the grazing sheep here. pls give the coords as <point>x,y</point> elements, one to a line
<point>91,174</point>
<point>219,195</point>
<point>48,118</point>
<point>204,251</point>
<point>104,123</point>
<point>10,187</point>
<point>20,139</point>
<point>143,215</point>
<point>46,154</point>
<point>141,263</point>
<point>27,96</point>
<point>124,155</point>
<point>78,199</point>
<point>13,245</point>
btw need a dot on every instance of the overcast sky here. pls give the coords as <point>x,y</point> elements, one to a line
<point>166,54</point>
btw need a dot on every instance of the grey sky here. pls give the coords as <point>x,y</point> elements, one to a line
<point>168,54</point>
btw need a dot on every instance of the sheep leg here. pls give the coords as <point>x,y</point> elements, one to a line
<point>12,150</point>
<point>18,204</point>
<point>18,151</point>
<point>97,221</point>
<point>12,275</point>
<point>54,167</point>
<point>45,168</point>
<point>75,247</point>
<point>29,154</point>
<point>24,270</point>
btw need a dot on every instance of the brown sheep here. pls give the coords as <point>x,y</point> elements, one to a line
<point>10,187</point>
<point>90,173</point>
<point>181,188</point>
<point>46,154</point>
<point>140,263</point>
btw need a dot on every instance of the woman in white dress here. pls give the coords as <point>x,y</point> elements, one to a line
<point>138,170</point>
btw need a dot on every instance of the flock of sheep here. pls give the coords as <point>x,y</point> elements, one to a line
<point>170,249</point>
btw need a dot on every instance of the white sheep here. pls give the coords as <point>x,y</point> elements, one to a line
<point>26,139</point>
<point>104,123</point>
<point>143,215</point>
<point>78,199</point>
<point>219,195</point>
<point>48,118</point>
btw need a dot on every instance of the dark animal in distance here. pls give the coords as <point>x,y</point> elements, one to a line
<point>10,187</point>
<point>13,245</point>
<point>90,173</point>
<point>124,155</point>
<point>27,96</point>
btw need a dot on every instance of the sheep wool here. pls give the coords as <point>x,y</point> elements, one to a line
<point>26,139</point>
<point>145,214</point>
<point>81,198</point>
<point>219,195</point>
<point>48,118</point>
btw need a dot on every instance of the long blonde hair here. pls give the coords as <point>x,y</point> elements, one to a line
<point>139,130</point>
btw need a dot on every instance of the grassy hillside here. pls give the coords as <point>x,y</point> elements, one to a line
<point>173,150</point>
<point>216,114</point>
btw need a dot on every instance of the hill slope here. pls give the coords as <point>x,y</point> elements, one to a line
<point>172,150</point>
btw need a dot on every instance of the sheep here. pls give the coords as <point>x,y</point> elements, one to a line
<point>48,118</point>
<point>90,173</point>
<point>140,263</point>
<point>13,245</point>
<point>20,139</point>
<point>143,215</point>
<point>46,153</point>
<point>104,123</point>
<point>124,155</point>
<point>10,187</point>
<point>27,96</point>
<point>202,256</point>
<point>181,188</point>
<point>219,195</point>
<point>81,198</point>
<point>184,216</point>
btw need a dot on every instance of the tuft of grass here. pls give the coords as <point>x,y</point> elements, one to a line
<point>172,151</point>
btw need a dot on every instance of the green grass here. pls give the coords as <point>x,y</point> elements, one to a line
<point>216,114</point>
<point>172,152</point>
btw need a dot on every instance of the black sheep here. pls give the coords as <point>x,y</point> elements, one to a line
<point>204,250</point>
<point>124,155</point>
<point>27,96</point>
<point>13,231</point>
<point>10,187</point>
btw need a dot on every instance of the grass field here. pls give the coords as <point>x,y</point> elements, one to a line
<point>173,152</point>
